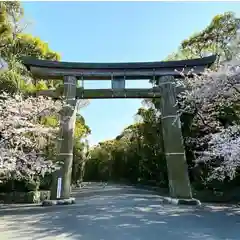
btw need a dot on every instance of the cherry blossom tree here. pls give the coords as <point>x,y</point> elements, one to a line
<point>23,138</point>
<point>204,96</point>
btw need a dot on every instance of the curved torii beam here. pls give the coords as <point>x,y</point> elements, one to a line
<point>104,71</point>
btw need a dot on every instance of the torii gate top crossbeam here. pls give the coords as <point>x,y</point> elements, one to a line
<point>107,71</point>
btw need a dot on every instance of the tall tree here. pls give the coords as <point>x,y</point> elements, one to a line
<point>216,38</point>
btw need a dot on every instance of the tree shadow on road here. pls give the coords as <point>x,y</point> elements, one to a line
<point>124,216</point>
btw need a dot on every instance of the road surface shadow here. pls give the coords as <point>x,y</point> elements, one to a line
<point>121,215</point>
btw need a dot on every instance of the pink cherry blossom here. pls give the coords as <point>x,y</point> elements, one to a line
<point>23,138</point>
<point>203,95</point>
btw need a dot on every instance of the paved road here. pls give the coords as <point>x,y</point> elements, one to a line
<point>119,213</point>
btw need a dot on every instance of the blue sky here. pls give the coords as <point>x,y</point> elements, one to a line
<point>117,32</point>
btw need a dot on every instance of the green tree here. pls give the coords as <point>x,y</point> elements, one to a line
<point>216,39</point>
<point>10,16</point>
<point>80,149</point>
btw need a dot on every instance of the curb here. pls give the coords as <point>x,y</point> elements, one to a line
<point>69,201</point>
<point>181,201</point>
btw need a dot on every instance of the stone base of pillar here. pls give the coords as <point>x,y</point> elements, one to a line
<point>68,201</point>
<point>182,201</point>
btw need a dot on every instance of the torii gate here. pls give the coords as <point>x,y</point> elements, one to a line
<point>118,73</point>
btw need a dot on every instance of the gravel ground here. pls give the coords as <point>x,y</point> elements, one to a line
<point>117,212</point>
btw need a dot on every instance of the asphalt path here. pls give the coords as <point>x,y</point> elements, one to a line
<point>118,212</point>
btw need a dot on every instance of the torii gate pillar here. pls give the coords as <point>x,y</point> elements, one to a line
<point>66,138</point>
<point>179,183</point>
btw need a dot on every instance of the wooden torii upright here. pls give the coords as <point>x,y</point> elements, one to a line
<point>118,73</point>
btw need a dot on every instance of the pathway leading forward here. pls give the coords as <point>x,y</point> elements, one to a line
<point>116,212</point>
